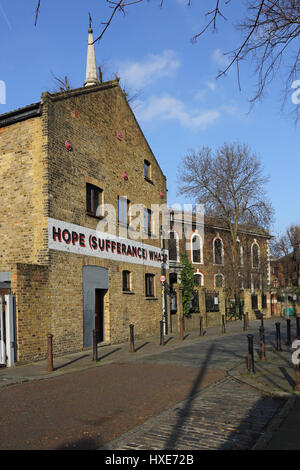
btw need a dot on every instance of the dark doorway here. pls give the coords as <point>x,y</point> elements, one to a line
<point>99,314</point>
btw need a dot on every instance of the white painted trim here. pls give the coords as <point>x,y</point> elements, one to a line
<point>9,330</point>
<point>197,273</point>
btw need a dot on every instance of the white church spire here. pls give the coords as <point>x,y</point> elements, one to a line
<point>91,77</point>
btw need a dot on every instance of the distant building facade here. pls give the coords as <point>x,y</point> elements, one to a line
<point>208,247</point>
<point>285,271</point>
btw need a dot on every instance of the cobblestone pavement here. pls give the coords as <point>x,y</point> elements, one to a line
<point>130,401</point>
<point>228,415</point>
<point>87,409</point>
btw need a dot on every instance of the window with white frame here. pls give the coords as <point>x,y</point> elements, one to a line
<point>255,254</point>
<point>199,279</point>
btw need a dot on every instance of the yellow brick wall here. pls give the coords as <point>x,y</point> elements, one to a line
<point>52,182</point>
<point>23,217</point>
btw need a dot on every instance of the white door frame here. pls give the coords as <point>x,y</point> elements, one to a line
<point>2,343</point>
<point>7,325</point>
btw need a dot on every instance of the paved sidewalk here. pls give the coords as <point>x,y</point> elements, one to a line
<point>117,353</point>
<point>242,409</point>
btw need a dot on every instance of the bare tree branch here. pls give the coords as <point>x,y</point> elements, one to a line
<point>269,28</point>
<point>116,6</point>
<point>37,12</point>
<point>230,184</point>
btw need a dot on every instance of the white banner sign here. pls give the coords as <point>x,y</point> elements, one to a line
<point>63,236</point>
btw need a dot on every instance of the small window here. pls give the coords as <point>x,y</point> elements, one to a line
<point>123,210</point>
<point>255,255</point>
<point>147,170</point>
<point>126,281</point>
<point>147,221</point>
<point>218,251</point>
<point>219,280</point>
<point>199,279</point>
<point>149,285</point>
<point>93,199</point>
<point>196,249</point>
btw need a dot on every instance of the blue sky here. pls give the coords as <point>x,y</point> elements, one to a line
<point>180,104</point>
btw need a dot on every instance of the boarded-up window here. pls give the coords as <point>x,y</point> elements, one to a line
<point>123,210</point>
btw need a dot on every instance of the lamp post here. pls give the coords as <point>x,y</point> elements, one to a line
<point>163,285</point>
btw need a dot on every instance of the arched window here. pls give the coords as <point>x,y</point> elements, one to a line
<point>218,251</point>
<point>173,246</point>
<point>255,252</point>
<point>196,248</point>
<point>199,279</point>
<point>219,280</point>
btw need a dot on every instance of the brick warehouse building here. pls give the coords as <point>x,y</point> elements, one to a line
<point>207,245</point>
<point>60,159</point>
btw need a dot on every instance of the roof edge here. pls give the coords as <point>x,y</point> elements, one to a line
<point>20,114</point>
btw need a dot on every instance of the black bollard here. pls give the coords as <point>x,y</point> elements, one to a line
<point>298,327</point>
<point>288,332</point>
<point>131,332</point>
<point>95,346</point>
<point>278,337</point>
<point>262,320</point>
<point>223,324</point>
<point>250,355</point>
<point>50,353</point>
<point>162,340</point>
<point>201,325</point>
<point>262,343</point>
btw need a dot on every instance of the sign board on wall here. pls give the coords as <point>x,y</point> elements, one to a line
<point>63,236</point>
